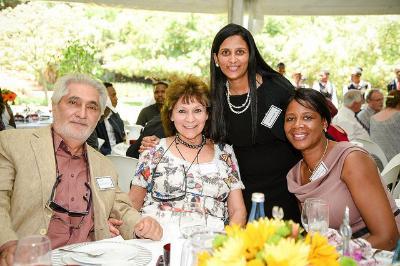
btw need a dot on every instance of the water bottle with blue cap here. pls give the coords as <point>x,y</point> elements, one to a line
<point>257,206</point>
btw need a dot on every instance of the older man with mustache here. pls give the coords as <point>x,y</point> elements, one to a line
<point>53,184</point>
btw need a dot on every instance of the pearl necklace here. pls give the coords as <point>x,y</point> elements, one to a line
<point>191,146</point>
<point>232,107</point>
<point>319,162</point>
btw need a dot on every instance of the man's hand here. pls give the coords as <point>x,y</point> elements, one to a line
<point>148,143</point>
<point>112,226</point>
<point>147,227</point>
<point>7,255</point>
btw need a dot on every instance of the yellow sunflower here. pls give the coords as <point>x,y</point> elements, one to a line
<point>287,252</point>
<point>321,252</point>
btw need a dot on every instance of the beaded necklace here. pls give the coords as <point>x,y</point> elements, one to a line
<point>191,146</point>
<point>232,107</point>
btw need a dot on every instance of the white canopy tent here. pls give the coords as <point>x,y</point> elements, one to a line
<point>251,12</point>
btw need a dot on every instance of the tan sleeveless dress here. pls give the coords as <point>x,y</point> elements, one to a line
<point>331,188</point>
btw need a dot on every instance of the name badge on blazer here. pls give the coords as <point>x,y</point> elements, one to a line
<point>271,116</point>
<point>105,182</point>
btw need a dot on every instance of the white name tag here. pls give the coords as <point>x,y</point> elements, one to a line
<point>105,182</point>
<point>319,172</point>
<point>271,116</point>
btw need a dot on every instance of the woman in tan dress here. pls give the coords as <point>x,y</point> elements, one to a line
<point>338,172</point>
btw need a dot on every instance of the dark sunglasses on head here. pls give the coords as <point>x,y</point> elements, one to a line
<point>58,208</point>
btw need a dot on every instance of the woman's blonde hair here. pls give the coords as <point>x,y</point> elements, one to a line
<point>189,88</point>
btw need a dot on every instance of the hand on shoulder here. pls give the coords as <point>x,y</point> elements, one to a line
<point>148,143</point>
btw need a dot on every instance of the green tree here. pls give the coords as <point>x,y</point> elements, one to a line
<point>80,58</point>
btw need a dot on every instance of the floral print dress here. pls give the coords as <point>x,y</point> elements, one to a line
<point>171,182</point>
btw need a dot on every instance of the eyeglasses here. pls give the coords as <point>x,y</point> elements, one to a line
<point>377,100</point>
<point>58,208</point>
<point>157,196</point>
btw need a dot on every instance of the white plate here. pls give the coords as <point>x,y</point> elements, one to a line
<point>143,257</point>
<point>114,252</point>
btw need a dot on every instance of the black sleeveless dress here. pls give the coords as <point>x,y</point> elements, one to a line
<point>265,164</point>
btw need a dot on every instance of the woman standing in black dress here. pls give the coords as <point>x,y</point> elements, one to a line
<point>249,100</point>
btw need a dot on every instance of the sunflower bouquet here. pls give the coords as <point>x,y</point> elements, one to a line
<point>269,242</point>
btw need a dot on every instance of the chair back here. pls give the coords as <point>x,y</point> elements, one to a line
<point>396,193</point>
<point>133,131</point>
<point>391,172</point>
<point>126,167</point>
<point>374,150</point>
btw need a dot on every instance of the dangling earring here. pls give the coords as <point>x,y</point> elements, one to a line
<point>216,64</point>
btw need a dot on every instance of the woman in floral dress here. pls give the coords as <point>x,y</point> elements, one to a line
<point>187,168</point>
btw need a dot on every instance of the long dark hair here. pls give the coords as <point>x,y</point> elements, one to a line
<point>256,65</point>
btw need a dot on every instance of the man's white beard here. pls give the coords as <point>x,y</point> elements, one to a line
<point>66,131</point>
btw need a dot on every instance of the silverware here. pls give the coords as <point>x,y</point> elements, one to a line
<point>92,253</point>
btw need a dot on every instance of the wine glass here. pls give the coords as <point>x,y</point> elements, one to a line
<point>198,242</point>
<point>304,220</point>
<point>193,219</point>
<point>304,217</point>
<point>277,213</point>
<point>318,216</point>
<point>33,250</point>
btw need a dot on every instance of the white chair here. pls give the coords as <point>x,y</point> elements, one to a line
<point>391,171</point>
<point>373,149</point>
<point>126,167</point>
<point>396,193</point>
<point>133,131</point>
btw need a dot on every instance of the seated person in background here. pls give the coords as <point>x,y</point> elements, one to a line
<point>2,110</point>
<point>111,128</point>
<point>385,126</point>
<point>374,101</point>
<point>334,172</point>
<point>298,80</point>
<point>281,68</point>
<point>187,167</point>
<point>395,83</point>
<point>152,128</point>
<point>49,182</point>
<point>147,113</point>
<point>324,86</point>
<point>356,83</point>
<point>347,119</point>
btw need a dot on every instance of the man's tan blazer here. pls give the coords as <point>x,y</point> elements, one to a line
<point>27,175</point>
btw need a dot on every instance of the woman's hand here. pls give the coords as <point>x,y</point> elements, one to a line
<point>148,143</point>
<point>112,226</point>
